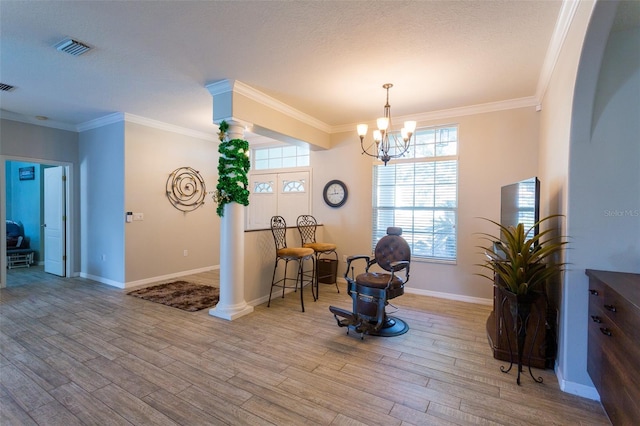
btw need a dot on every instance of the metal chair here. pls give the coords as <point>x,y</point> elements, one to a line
<point>325,253</point>
<point>371,291</point>
<point>288,254</point>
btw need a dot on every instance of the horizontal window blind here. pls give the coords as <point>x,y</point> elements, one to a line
<point>420,195</point>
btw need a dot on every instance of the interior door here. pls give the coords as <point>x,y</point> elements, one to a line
<point>54,221</point>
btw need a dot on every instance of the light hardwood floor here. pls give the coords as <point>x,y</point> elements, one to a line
<point>74,351</point>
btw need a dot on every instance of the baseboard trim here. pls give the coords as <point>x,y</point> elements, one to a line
<point>449,296</point>
<point>574,388</point>
<point>131,284</point>
<point>102,280</point>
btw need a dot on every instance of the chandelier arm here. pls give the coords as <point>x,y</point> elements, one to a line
<point>365,151</point>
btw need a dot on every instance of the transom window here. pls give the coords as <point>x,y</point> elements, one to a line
<point>280,157</point>
<point>419,193</point>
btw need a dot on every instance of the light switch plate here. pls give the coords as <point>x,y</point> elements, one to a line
<point>138,216</point>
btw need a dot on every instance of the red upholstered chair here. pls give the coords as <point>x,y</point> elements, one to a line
<point>372,290</point>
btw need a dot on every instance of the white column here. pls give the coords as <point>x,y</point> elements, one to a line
<point>232,304</point>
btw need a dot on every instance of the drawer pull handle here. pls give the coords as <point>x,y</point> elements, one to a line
<point>605,331</point>
<point>594,292</point>
<point>596,318</point>
<point>610,308</point>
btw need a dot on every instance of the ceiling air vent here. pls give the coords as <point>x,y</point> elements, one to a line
<point>6,87</point>
<point>72,47</point>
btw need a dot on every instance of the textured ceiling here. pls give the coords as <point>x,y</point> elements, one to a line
<point>327,59</point>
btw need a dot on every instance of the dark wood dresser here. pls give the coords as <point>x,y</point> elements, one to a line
<point>613,359</point>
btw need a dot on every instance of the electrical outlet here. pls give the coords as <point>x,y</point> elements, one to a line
<point>185,253</point>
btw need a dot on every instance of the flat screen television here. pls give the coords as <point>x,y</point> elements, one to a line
<point>520,203</point>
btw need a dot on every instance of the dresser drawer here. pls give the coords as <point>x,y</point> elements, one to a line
<point>623,313</point>
<point>619,391</point>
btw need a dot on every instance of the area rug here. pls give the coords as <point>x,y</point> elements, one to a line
<point>180,294</point>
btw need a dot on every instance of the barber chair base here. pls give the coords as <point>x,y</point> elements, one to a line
<point>391,326</point>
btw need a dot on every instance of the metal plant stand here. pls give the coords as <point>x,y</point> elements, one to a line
<point>522,309</point>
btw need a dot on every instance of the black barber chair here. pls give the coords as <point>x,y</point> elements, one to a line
<point>372,290</point>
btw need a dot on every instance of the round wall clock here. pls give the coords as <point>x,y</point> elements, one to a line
<point>335,193</point>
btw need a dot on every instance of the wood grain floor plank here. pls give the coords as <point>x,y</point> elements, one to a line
<point>98,345</point>
<point>13,414</point>
<point>39,371</point>
<point>288,401</point>
<point>86,407</point>
<point>344,390</point>
<point>361,411</point>
<point>72,350</point>
<point>199,363</point>
<point>55,414</point>
<point>179,410</point>
<point>224,389</point>
<point>24,391</point>
<point>153,374</point>
<point>131,408</point>
<point>210,403</point>
<point>123,378</point>
<point>416,417</point>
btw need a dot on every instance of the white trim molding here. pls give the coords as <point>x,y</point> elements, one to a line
<point>131,118</point>
<point>224,86</point>
<point>567,12</point>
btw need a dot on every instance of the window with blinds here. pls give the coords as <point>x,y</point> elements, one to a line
<point>419,193</point>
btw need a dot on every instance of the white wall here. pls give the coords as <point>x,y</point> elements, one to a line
<point>496,149</point>
<point>102,203</point>
<point>555,126</point>
<point>155,246</point>
<point>590,159</point>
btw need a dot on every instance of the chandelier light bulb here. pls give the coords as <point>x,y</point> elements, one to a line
<point>362,130</point>
<point>383,123</point>
<point>410,126</point>
<point>404,133</point>
<point>377,135</point>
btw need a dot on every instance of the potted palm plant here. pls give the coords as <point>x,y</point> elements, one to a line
<point>520,263</point>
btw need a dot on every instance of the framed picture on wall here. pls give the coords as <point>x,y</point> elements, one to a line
<point>27,173</point>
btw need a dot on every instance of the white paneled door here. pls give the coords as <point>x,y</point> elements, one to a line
<point>54,221</point>
<point>286,194</point>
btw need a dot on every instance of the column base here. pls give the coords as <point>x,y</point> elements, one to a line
<point>231,312</point>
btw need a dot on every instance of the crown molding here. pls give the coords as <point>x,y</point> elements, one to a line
<point>224,86</point>
<point>567,13</point>
<point>119,117</point>
<point>172,128</point>
<point>116,117</point>
<point>526,102</point>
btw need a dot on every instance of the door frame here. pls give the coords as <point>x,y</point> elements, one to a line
<point>69,207</point>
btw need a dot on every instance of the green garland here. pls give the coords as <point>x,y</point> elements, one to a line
<point>233,167</point>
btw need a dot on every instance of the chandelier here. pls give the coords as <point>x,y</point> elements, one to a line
<point>387,144</point>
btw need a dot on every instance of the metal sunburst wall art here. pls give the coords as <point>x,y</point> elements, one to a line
<point>186,189</point>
